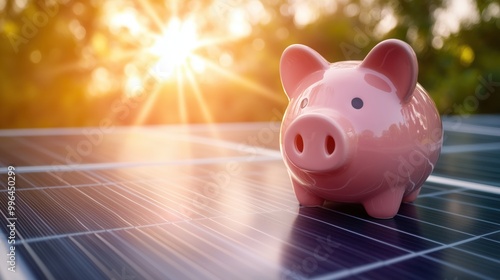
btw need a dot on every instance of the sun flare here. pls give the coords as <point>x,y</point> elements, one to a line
<point>174,47</point>
<point>173,55</point>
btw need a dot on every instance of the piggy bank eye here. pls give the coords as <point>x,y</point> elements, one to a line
<point>357,103</point>
<point>303,103</point>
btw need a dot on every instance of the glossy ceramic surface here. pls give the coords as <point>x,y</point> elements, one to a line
<point>358,131</point>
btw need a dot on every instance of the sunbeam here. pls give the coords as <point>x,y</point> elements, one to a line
<point>207,115</point>
<point>148,101</point>
<point>181,101</point>
<point>146,5</point>
<point>255,87</point>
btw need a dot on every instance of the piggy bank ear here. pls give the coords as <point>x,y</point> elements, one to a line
<point>398,62</point>
<point>297,62</point>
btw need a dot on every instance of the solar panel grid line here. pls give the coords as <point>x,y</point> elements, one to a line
<point>30,240</point>
<point>40,180</point>
<point>183,200</point>
<point>441,192</point>
<point>240,147</point>
<point>456,222</point>
<point>88,214</point>
<point>79,218</point>
<point>478,255</point>
<point>485,185</point>
<point>278,200</point>
<point>471,273</point>
<point>115,213</point>
<point>257,152</point>
<point>35,188</point>
<point>489,238</point>
<point>122,256</point>
<point>272,233</point>
<point>485,246</point>
<point>173,261</point>
<point>139,207</point>
<point>190,138</point>
<point>216,249</point>
<point>106,230</point>
<point>40,265</point>
<point>483,195</point>
<point>58,251</point>
<point>135,213</point>
<point>369,221</point>
<point>33,217</point>
<point>395,260</point>
<point>247,242</point>
<point>71,247</point>
<point>241,246</point>
<point>177,243</point>
<point>415,268</point>
<point>107,165</point>
<point>251,199</point>
<point>466,209</point>
<point>34,151</point>
<point>170,208</point>
<point>275,199</point>
<point>470,204</point>
<point>455,214</point>
<point>261,230</point>
<point>219,237</point>
<point>470,148</point>
<point>438,226</point>
<point>471,129</point>
<point>159,206</point>
<point>325,248</point>
<point>385,226</point>
<point>479,265</point>
<point>212,190</point>
<point>110,244</point>
<point>177,264</point>
<point>471,199</point>
<point>153,129</point>
<point>102,267</point>
<point>401,240</point>
<point>112,176</point>
<point>359,234</point>
<point>463,184</point>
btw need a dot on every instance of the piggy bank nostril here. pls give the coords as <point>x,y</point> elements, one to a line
<point>299,143</point>
<point>330,145</point>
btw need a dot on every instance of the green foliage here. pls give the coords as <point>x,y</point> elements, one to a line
<point>63,65</point>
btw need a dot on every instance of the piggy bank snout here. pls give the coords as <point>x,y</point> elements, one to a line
<point>317,142</point>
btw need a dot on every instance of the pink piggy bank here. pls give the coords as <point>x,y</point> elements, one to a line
<point>358,131</point>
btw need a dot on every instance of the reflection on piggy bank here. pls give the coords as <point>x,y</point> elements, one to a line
<point>358,131</point>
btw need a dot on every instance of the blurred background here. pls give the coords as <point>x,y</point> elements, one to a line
<point>66,63</point>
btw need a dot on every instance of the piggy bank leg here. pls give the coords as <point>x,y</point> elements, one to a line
<point>304,196</point>
<point>385,205</point>
<point>411,196</point>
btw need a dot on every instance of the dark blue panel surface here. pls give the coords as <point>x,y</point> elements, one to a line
<point>205,202</point>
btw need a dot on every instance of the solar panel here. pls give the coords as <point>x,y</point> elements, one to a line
<point>215,201</point>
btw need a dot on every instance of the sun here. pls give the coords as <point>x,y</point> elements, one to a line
<point>169,49</point>
<point>174,47</point>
